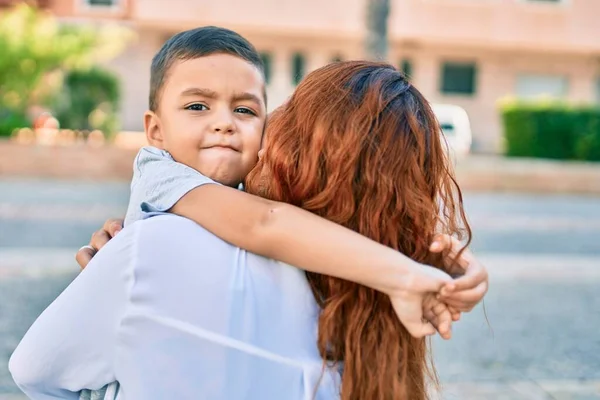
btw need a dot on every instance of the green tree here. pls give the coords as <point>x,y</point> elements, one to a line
<point>376,44</point>
<point>89,100</point>
<point>36,49</point>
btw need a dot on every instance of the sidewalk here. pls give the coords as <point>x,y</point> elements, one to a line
<point>474,173</point>
<point>498,173</point>
<point>521,390</point>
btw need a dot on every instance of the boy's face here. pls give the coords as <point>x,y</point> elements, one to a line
<point>211,114</point>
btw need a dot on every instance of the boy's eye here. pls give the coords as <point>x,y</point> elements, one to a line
<point>245,110</point>
<point>196,107</point>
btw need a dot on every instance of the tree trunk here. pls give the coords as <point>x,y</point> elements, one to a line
<point>376,44</point>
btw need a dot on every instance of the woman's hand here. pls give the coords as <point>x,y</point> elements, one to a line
<point>99,239</point>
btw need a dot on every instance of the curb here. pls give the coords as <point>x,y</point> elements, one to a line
<point>490,173</point>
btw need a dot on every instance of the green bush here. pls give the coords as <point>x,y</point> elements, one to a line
<point>89,101</point>
<point>551,130</point>
<point>588,145</point>
<point>11,120</point>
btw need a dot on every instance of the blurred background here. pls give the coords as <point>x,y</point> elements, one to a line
<point>515,85</point>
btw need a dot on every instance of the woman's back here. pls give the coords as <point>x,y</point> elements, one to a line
<point>180,314</point>
<point>205,311</point>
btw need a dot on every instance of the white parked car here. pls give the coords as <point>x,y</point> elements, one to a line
<point>456,128</point>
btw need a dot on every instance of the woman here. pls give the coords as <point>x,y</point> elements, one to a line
<point>358,145</point>
<point>355,144</point>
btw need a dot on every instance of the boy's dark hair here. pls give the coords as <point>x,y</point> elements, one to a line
<point>197,43</point>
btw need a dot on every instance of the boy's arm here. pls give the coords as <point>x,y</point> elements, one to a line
<point>275,230</point>
<point>297,237</point>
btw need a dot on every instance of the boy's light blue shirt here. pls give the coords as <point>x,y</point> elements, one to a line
<point>158,183</point>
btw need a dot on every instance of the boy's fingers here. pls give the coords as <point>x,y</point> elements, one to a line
<point>412,319</point>
<point>475,274</point>
<point>438,315</point>
<point>455,313</point>
<point>467,298</point>
<point>452,246</point>
<point>462,306</point>
<point>429,316</point>
<point>443,320</point>
<point>440,243</point>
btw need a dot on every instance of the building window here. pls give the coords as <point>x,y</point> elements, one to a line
<point>533,86</point>
<point>267,61</point>
<point>102,3</point>
<point>406,67</point>
<point>458,78</point>
<point>298,68</point>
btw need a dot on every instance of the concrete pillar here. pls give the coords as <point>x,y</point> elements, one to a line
<point>133,69</point>
<point>281,82</point>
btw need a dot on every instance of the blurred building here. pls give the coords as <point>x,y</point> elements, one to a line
<point>465,52</point>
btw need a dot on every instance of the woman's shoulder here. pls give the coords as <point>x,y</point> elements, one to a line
<point>176,239</point>
<point>162,221</point>
<point>170,228</point>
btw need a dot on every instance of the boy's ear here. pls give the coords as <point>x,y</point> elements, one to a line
<point>153,130</point>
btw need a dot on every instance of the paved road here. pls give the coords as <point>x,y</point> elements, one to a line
<point>543,308</point>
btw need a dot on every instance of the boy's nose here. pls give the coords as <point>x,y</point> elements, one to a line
<point>223,123</point>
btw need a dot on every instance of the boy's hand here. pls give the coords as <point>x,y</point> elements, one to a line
<point>99,239</point>
<point>416,305</point>
<point>439,315</point>
<point>467,290</point>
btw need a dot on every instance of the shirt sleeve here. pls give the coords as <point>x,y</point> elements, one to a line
<point>158,183</point>
<point>73,343</point>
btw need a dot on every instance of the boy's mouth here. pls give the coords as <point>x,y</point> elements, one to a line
<point>222,146</point>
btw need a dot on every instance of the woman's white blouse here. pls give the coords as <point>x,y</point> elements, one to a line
<point>172,312</point>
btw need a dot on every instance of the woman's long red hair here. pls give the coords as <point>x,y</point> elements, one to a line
<point>358,145</point>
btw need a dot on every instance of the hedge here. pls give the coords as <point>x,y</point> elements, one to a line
<point>11,120</point>
<point>551,130</point>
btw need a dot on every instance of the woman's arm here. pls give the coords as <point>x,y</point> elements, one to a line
<point>72,345</point>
